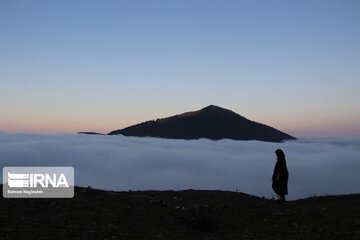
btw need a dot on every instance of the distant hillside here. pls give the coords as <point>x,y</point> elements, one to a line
<point>91,133</point>
<point>211,122</point>
<point>177,215</point>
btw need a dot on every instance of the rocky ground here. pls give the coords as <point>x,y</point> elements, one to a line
<point>190,214</point>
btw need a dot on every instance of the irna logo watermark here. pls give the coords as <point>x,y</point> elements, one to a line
<point>38,182</point>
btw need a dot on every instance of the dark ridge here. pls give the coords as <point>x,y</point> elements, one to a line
<point>211,122</point>
<point>90,133</point>
<point>190,214</point>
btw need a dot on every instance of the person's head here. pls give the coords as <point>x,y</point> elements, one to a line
<point>279,153</point>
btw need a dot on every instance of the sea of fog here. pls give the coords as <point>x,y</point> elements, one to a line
<point>323,166</point>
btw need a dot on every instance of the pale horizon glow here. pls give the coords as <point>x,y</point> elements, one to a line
<point>70,66</point>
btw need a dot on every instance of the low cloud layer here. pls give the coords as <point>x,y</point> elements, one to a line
<point>316,166</point>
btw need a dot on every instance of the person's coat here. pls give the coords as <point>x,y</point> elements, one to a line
<point>280,177</point>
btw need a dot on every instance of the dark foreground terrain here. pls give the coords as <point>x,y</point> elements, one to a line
<point>190,214</point>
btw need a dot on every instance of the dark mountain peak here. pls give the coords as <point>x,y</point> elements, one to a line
<point>213,108</point>
<point>211,122</point>
<point>216,109</point>
<point>209,110</point>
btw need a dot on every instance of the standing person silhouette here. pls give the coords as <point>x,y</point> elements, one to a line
<point>280,176</point>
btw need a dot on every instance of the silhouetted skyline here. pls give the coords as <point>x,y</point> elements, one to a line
<point>211,122</point>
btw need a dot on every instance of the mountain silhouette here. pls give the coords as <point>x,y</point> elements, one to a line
<point>90,133</point>
<point>211,122</point>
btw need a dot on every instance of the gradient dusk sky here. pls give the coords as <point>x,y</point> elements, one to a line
<point>69,66</point>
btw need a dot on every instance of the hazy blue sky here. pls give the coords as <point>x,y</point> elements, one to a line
<point>67,66</point>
